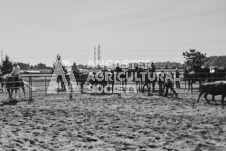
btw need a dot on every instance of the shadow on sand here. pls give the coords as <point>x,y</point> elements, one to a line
<point>12,102</point>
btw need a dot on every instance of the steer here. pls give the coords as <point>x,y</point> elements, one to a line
<point>213,88</point>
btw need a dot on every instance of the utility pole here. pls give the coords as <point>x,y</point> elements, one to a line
<point>95,57</point>
<point>99,55</point>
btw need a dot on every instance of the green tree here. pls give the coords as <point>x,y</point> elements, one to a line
<point>219,61</point>
<point>194,59</point>
<point>41,66</point>
<point>23,66</point>
<point>7,65</point>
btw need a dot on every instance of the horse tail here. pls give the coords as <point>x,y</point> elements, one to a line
<point>28,85</point>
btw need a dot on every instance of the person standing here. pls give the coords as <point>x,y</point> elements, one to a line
<point>152,70</point>
<point>161,81</point>
<point>169,84</point>
<point>152,67</point>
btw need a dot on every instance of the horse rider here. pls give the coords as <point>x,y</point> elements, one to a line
<point>177,77</point>
<point>152,70</point>
<point>118,68</point>
<point>15,72</point>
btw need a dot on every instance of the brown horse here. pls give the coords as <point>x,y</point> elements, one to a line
<point>11,84</point>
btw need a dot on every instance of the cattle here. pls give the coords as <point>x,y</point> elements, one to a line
<point>213,88</point>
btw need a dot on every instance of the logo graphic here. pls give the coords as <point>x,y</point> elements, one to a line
<point>66,80</point>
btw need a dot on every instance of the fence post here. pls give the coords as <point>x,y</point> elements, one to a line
<point>30,89</point>
<point>58,89</point>
<point>160,89</point>
<point>70,93</point>
<point>45,87</point>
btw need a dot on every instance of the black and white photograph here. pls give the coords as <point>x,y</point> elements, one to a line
<point>112,75</point>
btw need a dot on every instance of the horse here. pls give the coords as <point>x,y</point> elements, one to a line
<point>111,81</point>
<point>80,78</point>
<point>150,79</point>
<point>2,78</point>
<point>137,78</point>
<point>98,79</point>
<point>218,75</point>
<point>1,83</point>
<point>11,84</point>
<point>201,75</point>
<point>121,77</point>
<point>73,76</point>
<point>61,82</point>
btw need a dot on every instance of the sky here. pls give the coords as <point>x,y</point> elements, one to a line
<point>35,31</point>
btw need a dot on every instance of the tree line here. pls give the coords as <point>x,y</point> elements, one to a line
<point>193,59</point>
<point>7,65</point>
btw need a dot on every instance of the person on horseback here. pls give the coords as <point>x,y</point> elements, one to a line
<point>15,73</point>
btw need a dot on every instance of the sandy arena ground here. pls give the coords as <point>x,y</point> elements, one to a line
<point>135,122</point>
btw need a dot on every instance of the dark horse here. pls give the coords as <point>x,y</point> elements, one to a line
<point>98,79</point>
<point>150,80</point>
<point>1,83</point>
<point>203,74</point>
<point>218,75</point>
<point>70,77</point>
<point>121,77</point>
<point>80,78</point>
<point>137,78</point>
<point>199,75</point>
<point>11,84</point>
<point>61,82</point>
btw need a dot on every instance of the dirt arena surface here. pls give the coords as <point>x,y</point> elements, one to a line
<point>135,122</point>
